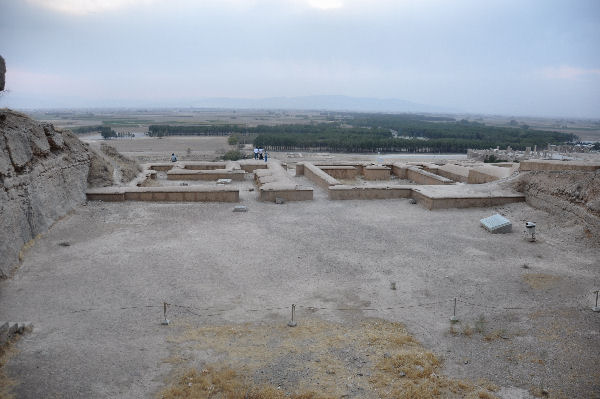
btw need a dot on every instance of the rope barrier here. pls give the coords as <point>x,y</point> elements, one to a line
<point>213,311</point>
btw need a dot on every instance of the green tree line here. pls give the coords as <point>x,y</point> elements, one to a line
<point>380,132</point>
<point>105,131</point>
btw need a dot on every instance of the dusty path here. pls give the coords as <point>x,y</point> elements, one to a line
<point>97,303</point>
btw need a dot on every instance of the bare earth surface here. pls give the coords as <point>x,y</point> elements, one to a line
<point>94,285</point>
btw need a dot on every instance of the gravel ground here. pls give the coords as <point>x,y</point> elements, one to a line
<point>96,303</point>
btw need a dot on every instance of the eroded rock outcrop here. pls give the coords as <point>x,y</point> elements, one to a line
<point>43,176</point>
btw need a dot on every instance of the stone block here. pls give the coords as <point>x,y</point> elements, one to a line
<point>38,140</point>
<point>18,147</point>
<point>55,138</point>
<point>497,224</point>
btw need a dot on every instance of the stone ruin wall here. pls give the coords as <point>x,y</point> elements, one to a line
<point>43,176</point>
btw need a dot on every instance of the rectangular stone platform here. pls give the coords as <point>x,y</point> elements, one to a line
<point>442,197</point>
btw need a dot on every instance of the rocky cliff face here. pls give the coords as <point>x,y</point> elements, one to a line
<point>574,195</point>
<point>43,176</point>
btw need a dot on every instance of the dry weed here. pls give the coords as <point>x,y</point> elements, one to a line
<point>375,356</point>
<point>494,335</point>
<point>540,281</point>
<point>225,384</point>
<point>467,330</point>
<point>6,352</point>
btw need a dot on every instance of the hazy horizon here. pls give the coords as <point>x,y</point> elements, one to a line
<point>534,58</point>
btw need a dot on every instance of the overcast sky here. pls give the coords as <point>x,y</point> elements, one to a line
<point>498,57</point>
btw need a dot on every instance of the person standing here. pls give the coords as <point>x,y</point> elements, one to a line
<point>255,153</point>
<point>266,155</point>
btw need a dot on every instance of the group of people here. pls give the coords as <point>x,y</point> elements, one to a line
<point>259,153</point>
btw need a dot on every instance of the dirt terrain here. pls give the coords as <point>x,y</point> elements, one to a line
<point>374,284</point>
<point>95,284</point>
<point>160,149</point>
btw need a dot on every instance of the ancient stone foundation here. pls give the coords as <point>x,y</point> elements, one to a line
<point>172,194</point>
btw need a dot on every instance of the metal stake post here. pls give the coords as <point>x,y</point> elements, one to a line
<point>454,319</point>
<point>292,323</point>
<point>165,322</point>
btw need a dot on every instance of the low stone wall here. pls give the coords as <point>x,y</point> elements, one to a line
<point>287,192</point>
<point>549,165</point>
<point>453,172</point>
<point>420,176</point>
<point>161,167</point>
<point>374,172</point>
<point>250,166</point>
<point>205,165</point>
<point>343,192</point>
<point>172,194</point>
<point>464,202</point>
<point>317,176</point>
<point>210,175</point>
<point>340,172</point>
<point>358,165</point>
<point>400,170</point>
<point>487,173</point>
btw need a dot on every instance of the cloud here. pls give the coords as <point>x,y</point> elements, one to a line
<point>568,72</point>
<point>82,7</point>
<point>325,4</point>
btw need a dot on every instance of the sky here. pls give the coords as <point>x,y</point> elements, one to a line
<point>525,57</point>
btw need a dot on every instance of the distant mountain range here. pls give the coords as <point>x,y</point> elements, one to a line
<point>324,102</point>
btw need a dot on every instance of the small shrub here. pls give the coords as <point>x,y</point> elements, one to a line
<point>233,155</point>
<point>493,159</point>
<point>480,324</point>
<point>467,330</point>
